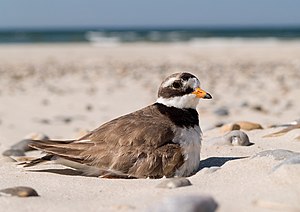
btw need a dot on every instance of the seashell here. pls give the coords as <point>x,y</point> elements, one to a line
<point>229,127</point>
<point>246,125</point>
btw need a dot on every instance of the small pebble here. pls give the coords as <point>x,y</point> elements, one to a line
<point>186,203</point>
<point>219,124</point>
<point>258,108</point>
<point>13,152</point>
<point>222,111</point>
<point>65,119</point>
<point>174,183</point>
<point>20,191</point>
<point>232,138</point>
<point>89,107</point>
<point>44,121</point>
<point>237,138</point>
<point>277,154</point>
<point>22,146</point>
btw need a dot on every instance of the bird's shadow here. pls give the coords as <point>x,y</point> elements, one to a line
<point>216,161</point>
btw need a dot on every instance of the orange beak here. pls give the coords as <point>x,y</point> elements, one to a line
<point>202,94</point>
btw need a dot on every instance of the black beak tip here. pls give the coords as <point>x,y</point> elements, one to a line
<point>207,96</point>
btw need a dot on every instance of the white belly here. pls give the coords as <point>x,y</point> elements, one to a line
<point>190,141</point>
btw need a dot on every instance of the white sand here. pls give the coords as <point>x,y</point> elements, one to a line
<point>41,85</point>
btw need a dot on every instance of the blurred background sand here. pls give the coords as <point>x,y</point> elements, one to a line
<point>45,84</point>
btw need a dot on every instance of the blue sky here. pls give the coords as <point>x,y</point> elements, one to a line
<point>124,13</point>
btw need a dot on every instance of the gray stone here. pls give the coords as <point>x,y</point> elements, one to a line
<point>234,138</point>
<point>13,152</point>
<point>22,146</point>
<point>20,191</point>
<point>186,203</point>
<point>174,183</point>
<point>222,111</point>
<point>237,138</point>
<point>277,154</point>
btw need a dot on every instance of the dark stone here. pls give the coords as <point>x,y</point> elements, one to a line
<point>89,107</point>
<point>219,124</point>
<point>67,120</point>
<point>20,191</point>
<point>174,183</point>
<point>258,108</point>
<point>186,203</point>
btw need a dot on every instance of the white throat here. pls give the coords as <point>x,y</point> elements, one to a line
<point>186,101</point>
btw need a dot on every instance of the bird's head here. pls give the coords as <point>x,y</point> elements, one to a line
<point>181,90</point>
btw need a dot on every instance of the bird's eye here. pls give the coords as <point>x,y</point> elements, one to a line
<point>176,84</point>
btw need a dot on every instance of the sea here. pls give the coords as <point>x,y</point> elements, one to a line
<point>154,35</point>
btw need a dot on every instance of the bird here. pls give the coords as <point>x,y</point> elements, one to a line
<point>160,140</point>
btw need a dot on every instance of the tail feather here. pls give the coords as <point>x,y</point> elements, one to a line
<point>65,149</point>
<point>37,161</point>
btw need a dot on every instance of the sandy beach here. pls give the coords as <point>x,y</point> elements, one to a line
<point>64,90</point>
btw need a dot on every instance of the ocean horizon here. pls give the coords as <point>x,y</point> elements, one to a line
<point>150,34</point>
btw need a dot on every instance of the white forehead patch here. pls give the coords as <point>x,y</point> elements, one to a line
<point>192,82</point>
<point>169,82</point>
